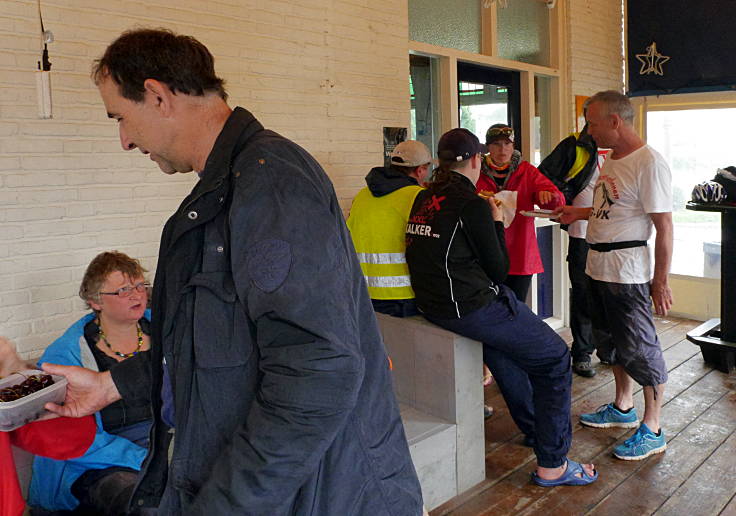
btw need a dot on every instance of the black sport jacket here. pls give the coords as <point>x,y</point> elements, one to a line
<point>456,252</point>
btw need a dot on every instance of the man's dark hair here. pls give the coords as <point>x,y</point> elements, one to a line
<point>181,62</point>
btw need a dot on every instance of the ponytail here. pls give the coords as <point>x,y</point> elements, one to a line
<point>442,176</point>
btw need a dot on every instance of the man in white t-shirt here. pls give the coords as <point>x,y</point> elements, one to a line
<point>633,194</point>
<point>573,166</point>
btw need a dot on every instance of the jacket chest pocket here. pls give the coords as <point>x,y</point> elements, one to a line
<point>221,331</point>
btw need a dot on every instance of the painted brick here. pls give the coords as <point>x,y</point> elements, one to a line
<point>595,54</point>
<point>15,297</point>
<point>38,278</point>
<point>58,227</point>
<point>53,292</point>
<point>34,178</point>
<point>35,213</point>
<point>327,73</point>
<point>11,233</point>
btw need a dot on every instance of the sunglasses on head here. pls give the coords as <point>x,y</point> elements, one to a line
<point>500,131</point>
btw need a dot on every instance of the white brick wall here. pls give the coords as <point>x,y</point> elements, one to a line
<point>595,54</point>
<point>327,73</point>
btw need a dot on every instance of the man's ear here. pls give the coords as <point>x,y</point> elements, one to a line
<point>160,95</point>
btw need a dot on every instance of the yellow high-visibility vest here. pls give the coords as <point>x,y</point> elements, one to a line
<point>378,227</point>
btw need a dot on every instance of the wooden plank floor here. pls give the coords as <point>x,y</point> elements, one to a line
<point>695,476</point>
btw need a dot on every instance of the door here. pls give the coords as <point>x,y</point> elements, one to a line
<point>488,96</point>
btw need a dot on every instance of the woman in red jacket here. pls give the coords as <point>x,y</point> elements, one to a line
<point>503,169</point>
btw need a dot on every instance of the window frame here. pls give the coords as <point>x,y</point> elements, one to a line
<point>695,296</point>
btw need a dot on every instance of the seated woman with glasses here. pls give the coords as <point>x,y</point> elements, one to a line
<point>102,480</point>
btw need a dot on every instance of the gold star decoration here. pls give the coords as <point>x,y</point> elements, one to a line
<point>652,61</point>
<point>501,3</point>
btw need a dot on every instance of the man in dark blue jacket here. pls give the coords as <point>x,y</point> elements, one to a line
<point>266,358</point>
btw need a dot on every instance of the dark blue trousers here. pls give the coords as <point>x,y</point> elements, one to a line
<point>531,364</point>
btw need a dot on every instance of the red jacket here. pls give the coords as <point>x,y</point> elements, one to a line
<point>61,438</point>
<point>521,240</point>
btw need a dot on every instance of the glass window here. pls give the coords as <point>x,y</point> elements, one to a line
<point>423,86</point>
<point>447,24</point>
<point>488,96</point>
<point>542,130</point>
<point>523,31</point>
<point>693,156</point>
<point>482,105</point>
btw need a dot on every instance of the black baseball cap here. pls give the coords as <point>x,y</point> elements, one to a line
<point>458,145</point>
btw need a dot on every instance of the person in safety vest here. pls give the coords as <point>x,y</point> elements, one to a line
<point>377,224</point>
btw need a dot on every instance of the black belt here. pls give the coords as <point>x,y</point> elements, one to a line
<point>612,246</point>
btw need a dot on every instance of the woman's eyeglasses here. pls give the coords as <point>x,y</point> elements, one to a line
<point>143,286</point>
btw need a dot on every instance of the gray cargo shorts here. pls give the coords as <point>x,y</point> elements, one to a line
<point>625,312</point>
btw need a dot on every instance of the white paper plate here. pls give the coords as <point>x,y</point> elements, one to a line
<point>545,214</point>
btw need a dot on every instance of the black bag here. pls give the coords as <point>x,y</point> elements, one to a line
<point>557,165</point>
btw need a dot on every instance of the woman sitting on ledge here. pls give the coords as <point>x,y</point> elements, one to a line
<point>458,261</point>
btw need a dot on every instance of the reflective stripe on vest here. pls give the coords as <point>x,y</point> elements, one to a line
<point>380,258</point>
<point>388,281</point>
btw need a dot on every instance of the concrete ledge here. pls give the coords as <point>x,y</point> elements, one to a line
<point>437,380</point>
<point>433,448</point>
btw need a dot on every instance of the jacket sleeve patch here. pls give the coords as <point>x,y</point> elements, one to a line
<point>269,262</point>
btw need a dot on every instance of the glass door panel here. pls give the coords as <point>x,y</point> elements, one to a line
<point>488,96</point>
<point>542,130</point>
<point>423,86</point>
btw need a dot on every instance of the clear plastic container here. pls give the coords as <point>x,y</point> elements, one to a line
<point>14,414</point>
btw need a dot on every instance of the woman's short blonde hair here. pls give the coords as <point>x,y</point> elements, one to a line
<point>101,267</point>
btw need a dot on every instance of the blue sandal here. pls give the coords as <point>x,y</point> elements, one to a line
<point>569,477</point>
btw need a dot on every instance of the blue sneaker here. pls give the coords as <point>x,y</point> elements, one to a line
<point>641,445</point>
<point>608,415</point>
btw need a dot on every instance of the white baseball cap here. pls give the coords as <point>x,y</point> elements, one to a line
<point>411,153</point>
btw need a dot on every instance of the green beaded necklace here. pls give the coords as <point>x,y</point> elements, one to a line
<point>118,353</point>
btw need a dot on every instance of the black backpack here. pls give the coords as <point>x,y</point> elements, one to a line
<point>557,165</point>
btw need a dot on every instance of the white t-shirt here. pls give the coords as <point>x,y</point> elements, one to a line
<point>585,199</point>
<point>628,189</point>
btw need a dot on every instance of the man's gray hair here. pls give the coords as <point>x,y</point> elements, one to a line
<point>616,104</point>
